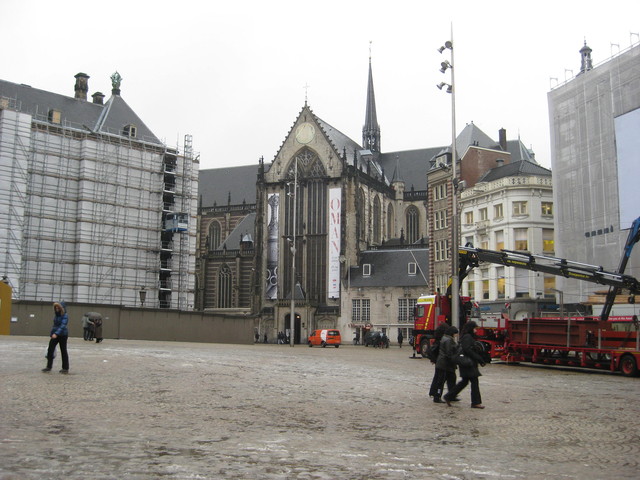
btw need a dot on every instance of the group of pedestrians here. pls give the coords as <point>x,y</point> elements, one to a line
<point>283,338</point>
<point>92,328</point>
<point>447,363</point>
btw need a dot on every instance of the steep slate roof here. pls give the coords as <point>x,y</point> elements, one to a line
<point>217,184</point>
<point>339,139</point>
<point>109,118</point>
<point>522,167</point>
<point>412,166</point>
<point>390,268</point>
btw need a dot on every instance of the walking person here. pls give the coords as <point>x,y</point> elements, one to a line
<point>59,336</point>
<point>445,367</point>
<point>97,322</point>
<point>469,374</point>
<point>400,337</point>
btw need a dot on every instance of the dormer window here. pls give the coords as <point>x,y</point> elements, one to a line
<point>54,116</point>
<point>130,131</point>
<point>366,270</point>
<point>412,268</point>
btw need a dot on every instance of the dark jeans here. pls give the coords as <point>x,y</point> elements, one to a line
<point>63,351</point>
<point>476,399</point>
<point>437,384</point>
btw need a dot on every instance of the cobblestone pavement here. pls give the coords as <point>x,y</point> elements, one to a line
<point>150,410</point>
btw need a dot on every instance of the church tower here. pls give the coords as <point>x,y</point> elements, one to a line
<point>371,129</point>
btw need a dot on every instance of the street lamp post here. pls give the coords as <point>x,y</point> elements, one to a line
<point>455,280</point>
<point>292,316</point>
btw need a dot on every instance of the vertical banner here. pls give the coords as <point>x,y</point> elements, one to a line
<point>335,209</point>
<point>271,288</point>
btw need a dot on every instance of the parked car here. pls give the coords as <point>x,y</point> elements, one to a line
<point>376,339</point>
<point>325,337</point>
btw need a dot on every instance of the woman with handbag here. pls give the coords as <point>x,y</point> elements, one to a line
<point>469,372</point>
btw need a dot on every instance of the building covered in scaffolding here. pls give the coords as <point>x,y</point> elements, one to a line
<point>95,208</point>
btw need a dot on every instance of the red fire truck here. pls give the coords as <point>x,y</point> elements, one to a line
<point>587,342</point>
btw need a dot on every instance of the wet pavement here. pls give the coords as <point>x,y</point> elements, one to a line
<point>159,410</point>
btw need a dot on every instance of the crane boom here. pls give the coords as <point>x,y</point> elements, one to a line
<point>553,265</point>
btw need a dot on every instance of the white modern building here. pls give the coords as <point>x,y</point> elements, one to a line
<point>94,207</point>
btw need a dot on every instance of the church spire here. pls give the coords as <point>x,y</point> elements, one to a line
<point>371,129</point>
<point>586,63</point>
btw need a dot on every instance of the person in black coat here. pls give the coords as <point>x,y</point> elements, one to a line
<point>468,374</point>
<point>445,368</point>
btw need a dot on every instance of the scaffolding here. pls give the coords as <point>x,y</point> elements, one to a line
<point>84,212</point>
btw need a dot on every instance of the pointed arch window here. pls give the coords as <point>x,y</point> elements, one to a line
<point>214,235</point>
<point>360,230</point>
<point>390,221</point>
<point>224,286</point>
<point>311,215</point>
<point>413,224</point>
<point>377,214</point>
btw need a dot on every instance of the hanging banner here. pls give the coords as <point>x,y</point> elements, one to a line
<point>271,288</point>
<point>335,209</point>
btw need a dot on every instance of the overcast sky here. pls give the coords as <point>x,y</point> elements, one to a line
<point>233,74</point>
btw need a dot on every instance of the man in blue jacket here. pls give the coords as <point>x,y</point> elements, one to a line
<point>59,335</point>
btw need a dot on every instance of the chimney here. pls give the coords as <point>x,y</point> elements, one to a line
<point>502,136</point>
<point>98,98</point>
<point>82,86</point>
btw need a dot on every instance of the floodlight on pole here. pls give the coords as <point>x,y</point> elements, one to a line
<point>455,279</point>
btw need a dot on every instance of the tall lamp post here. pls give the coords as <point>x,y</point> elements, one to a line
<point>292,316</point>
<point>455,281</point>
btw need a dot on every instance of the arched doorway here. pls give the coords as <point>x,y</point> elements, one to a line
<point>297,324</point>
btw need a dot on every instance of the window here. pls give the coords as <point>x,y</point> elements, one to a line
<point>54,116</point>
<point>440,191</point>
<point>441,250</point>
<point>497,211</point>
<point>485,285</point>
<point>468,242</point>
<point>412,268</point>
<point>440,221</point>
<point>520,239</point>
<point>501,282</point>
<point>468,218</point>
<point>484,242</point>
<point>224,287</point>
<point>442,282</point>
<point>377,219</point>
<point>366,270</point>
<point>547,209</point>
<point>499,240</point>
<point>549,282</point>
<point>547,240</point>
<point>129,131</point>
<point>405,310</point>
<point>390,221</point>
<point>413,224</point>
<point>214,235</point>
<point>519,208</point>
<point>483,214</point>
<point>472,288</point>
<point>361,310</point>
